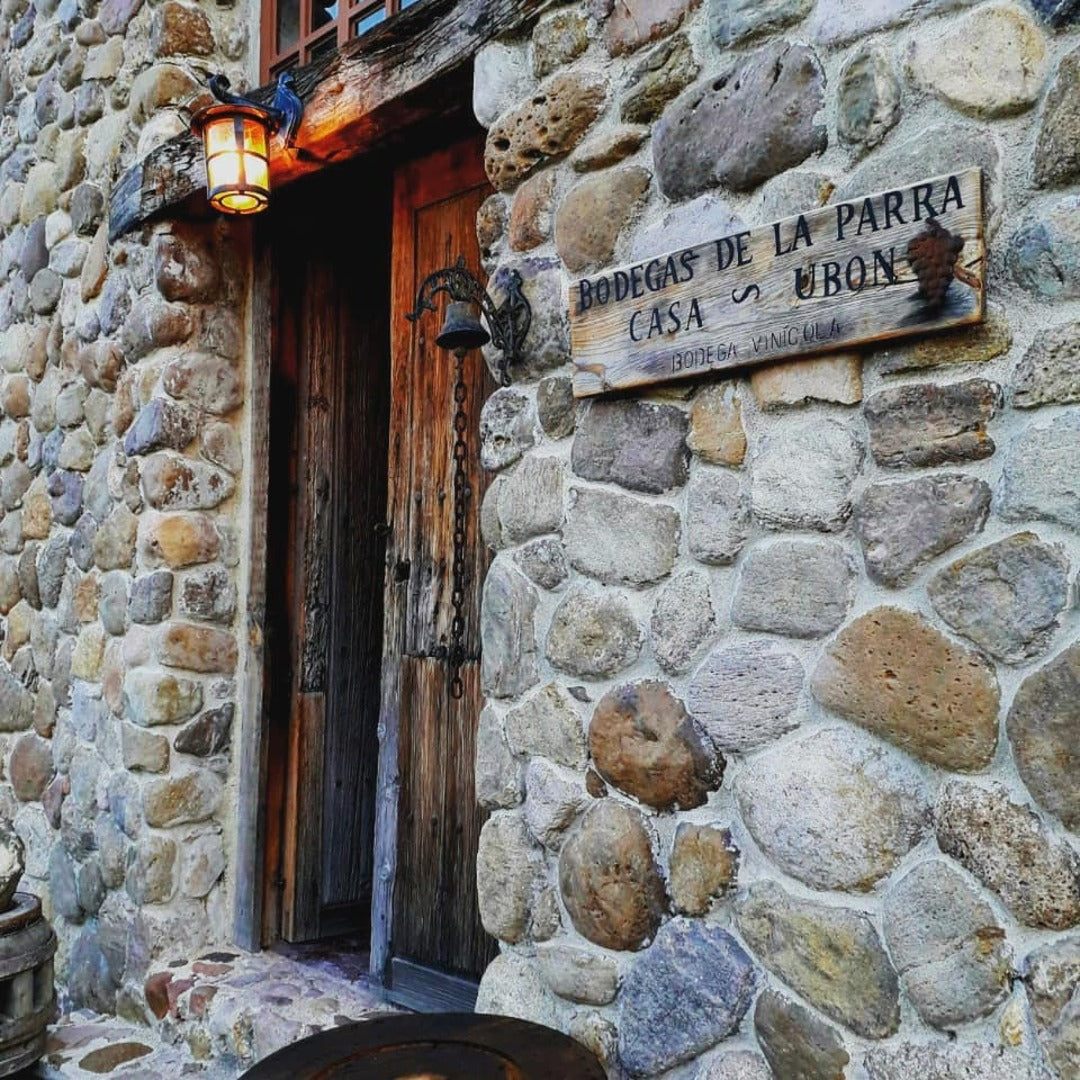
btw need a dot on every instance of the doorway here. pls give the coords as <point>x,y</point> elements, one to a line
<point>372,824</point>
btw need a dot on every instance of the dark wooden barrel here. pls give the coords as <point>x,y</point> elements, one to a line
<point>27,997</point>
<point>440,1046</point>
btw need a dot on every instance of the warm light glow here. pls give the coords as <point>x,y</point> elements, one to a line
<point>237,166</point>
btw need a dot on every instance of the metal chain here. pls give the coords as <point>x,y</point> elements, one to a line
<point>462,494</point>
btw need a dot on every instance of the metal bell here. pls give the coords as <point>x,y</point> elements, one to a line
<point>462,329</point>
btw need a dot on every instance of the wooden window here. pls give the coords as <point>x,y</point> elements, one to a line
<point>296,32</point>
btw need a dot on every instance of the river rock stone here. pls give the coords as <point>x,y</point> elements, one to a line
<point>734,21</point>
<point>1042,726</point>
<point>704,865</point>
<point>836,377</point>
<point>507,423</point>
<point>803,475</point>
<point>902,526</point>
<point>205,380</point>
<point>1057,149</point>
<point>657,78</point>
<point>143,750</point>
<point>794,587</point>
<point>831,956</point>
<point>1049,373</point>
<point>502,74</point>
<point>1010,850</point>
<point>1041,478</point>
<point>931,424</point>
<point>747,695</point>
<point>529,501</point>
<point>1044,252</point>
<point>1052,975</point>
<point>558,40</point>
<point>861,808</point>
<point>594,213</point>
<point>620,540</point>
<point>547,725</point>
<point>689,991</point>
<point>171,482</point>
<point>736,1065</point>
<point>497,776</point>
<point>12,864</point>
<point>181,30</point>
<point>868,98</point>
<point>508,632</point>
<point>835,22</point>
<point>508,872</point>
<point>717,516</point>
<point>989,63</point>
<point>634,23</point>
<point>894,674</point>
<point>512,986</point>
<point>554,797</point>
<point>157,697</point>
<point>643,741</point>
<point>637,444</point>
<point>208,734</point>
<point>952,954</point>
<point>755,121</point>
<point>610,883</point>
<point>179,800</point>
<point>609,147</point>
<point>716,434</point>
<point>533,213</point>
<point>683,622</point>
<point>556,407</point>
<point>593,634</point>
<point>950,1061</point>
<point>795,1042</point>
<point>547,127</point>
<point>198,648</point>
<point>30,767</point>
<point>151,597</point>
<point>185,268</point>
<point>576,974</point>
<point>1006,597</point>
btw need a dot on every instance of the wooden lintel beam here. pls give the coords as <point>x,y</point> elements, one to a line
<point>352,100</point>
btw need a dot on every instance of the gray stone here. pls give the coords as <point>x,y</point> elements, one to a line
<point>502,75</point>
<point>156,697</point>
<point>1052,974</point>
<point>689,991</point>
<point>151,876</point>
<point>509,868</point>
<point>30,767</point>
<point>202,862</point>
<point>1041,478</point>
<point>62,892</point>
<point>593,634</point>
<point>1006,597</point>
<point>529,501</point>
<point>1044,252</point>
<point>554,798</point>
<point>577,974</point>
<point>831,956</point>
<point>755,121</point>
<point>610,884</point>
<point>208,734</point>
<point>114,541</point>
<point>861,806</point>
<point>637,444</point>
<point>868,98</point>
<point>717,516</point>
<point>512,986</point>
<point>683,226</point>
<point>735,21</point>
<point>1011,851</point>
<point>835,21</point>
<point>1049,373</point>
<point>735,1065</point>
<point>932,424</point>
<point>51,567</point>
<point>902,526</point>
<point>497,776</point>
<point>620,540</point>
<point>683,622</point>
<point>208,593</point>
<point>507,423</point>
<point>1057,13</point>
<point>547,725</point>
<point>160,424</point>
<point>662,75</point>
<point>543,562</point>
<point>794,587</point>
<point>952,955</point>
<point>803,475</point>
<point>113,602</point>
<point>151,597</point>
<point>896,675</point>
<point>82,542</point>
<point>1042,726</point>
<point>508,632</point>
<point>951,1061</point>
<point>796,1043</point>
<point>593,214</point>
<point>35,255</point>
<point>45,291</point>
<point>143,750</point>
<point>1057,149</point>
<point>66,492</point>
<point>556,406</point>
<point>747,695</point>
<point>547,344</point>
<point>171,482</point>
<point>202,379</point>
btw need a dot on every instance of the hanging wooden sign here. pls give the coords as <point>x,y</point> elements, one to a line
<point>890,265</point>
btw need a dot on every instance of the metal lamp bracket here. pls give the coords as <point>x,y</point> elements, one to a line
<point>508,322</point>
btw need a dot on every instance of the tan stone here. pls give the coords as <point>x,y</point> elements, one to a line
<point>15,397</point>
<point>181,30</point>
<point>836,377</point>
<point>163,84</point>
<point>594,213</point>
<point>633,23</point>
<point>36,515</point>
<point>198,648</point>
<point>547,127</point>
<point>894,674</point>
<point>531,217</point>
<point>644,742</point>
<point>88,653</point>
<point>96,266</point>
<point>609,147</point>
<point>179,800</point>
<point>178,540</point>
<point>509,871</point>
<point>87,594</point>
<point>704,865</point>
<point>969,345</point>
<point>716,428</point>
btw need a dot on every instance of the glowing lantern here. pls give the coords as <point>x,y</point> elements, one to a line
<point>235,141</point>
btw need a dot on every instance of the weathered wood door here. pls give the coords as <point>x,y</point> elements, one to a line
<point>425,911</point>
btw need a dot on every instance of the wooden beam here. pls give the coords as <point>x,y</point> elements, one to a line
<point>354,99</point>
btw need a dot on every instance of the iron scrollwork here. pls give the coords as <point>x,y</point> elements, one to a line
<point>508,322</point>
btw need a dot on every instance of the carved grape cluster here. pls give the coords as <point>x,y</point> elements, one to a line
<point>932,255</point>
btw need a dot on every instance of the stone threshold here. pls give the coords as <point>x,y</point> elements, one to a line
<point>215,1016</point>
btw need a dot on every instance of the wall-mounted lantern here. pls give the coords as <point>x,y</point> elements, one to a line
<point>236,140</point>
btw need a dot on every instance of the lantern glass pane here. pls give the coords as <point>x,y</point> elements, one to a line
<point>223,170</point>
<point>255,138</point>
<point>256,173</point>
<point>220,137</point>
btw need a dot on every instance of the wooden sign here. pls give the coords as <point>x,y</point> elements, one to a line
<point>889,265</point>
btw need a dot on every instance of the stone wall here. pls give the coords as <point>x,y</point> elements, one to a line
<point>782,734</point>
<point>122,374</point>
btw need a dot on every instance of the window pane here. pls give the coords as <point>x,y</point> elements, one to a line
<point>323,12</point>
<point>323,46</point>
<point>407,3</point>
<point>288,24</point>
<point>367,21</point>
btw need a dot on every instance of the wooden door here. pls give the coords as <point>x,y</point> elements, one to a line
<point>426,916</point>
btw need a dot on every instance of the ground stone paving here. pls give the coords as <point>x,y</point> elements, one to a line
<point>214,1017</point>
